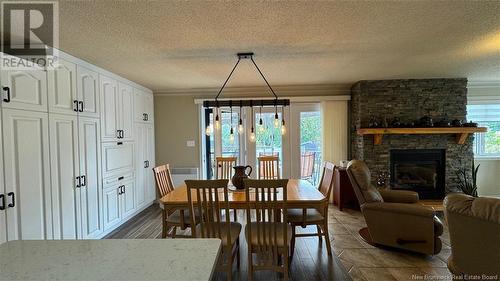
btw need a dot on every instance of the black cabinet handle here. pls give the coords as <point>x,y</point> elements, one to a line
<point>7,90</point>
<point>81,106</point>
<point>144,117</point>
<point>123,188</point>
<point>79,181</point>
<point>122,134</point>
<point>146,164</point>
<point>12,203</point>
<point>84,180</point>
<point>2,201</point>
<point>119,143</point>
<point>75,106</point>
<point>119,190</point>
<point>120,178</point>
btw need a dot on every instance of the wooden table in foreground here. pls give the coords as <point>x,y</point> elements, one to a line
<point>109,259</point>
<point>300,194</point>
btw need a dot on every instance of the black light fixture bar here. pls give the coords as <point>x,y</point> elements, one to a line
<point>227,103</point>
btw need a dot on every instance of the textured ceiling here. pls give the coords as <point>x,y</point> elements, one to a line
<point>167,45</point>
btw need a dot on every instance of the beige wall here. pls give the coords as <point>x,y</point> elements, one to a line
<point>176,122</point>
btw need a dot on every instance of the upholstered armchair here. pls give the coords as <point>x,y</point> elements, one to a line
<point>394,217</point>
<point>474,225</point>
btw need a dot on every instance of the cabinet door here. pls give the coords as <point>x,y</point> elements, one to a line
<point>141,169</point>
<point>111,207</point>
<point>150,179</point>
<point>62,88</point>
<point>126,111</point>
<point>90,167</point>
<point>109,105</point>
<point>27,174</point>
<point>139,106</point>
<point>128,200</point>
<point>149,107</point>
<point>88,91</point>
<point>64,168</point>
<point>28,89</point>
<point>118,158</point>
<point>3,220</point>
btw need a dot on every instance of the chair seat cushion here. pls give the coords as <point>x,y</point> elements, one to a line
<point>297,215</point>
<point>266,228</point>
<point>212,232</point>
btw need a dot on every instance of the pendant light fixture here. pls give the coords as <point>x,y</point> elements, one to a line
<point>240,122</point>
<point>283,126</point>
<point>252,130</point>
<point>217,104</point>
<point>231,132</point>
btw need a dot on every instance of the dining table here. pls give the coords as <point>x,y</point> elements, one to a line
<point>300,194</point>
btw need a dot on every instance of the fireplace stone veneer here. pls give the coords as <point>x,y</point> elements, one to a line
<point>409,100</point>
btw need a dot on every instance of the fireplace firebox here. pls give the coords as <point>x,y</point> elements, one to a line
<point>419,170</point>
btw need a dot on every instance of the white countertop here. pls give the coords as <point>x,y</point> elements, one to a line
<point>162,259</point>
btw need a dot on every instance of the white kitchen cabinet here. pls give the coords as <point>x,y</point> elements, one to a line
<point>27,174</point>
<point>90,166</point>
<point>24,89</point>
<point>150,179</point>
<point>62,93</point>
<point>3,204</point>
<point>145,183</point>
<point>65,175</point>
<point>88,91</point>
<point>109,108</point>
<point>143,106</point>
<point>127,200</point>
<point>111,206</point>
<point>125,111</point>
<point>118,158</point>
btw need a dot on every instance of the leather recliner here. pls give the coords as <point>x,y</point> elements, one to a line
<point>394,217</point>
<point>474,225</point>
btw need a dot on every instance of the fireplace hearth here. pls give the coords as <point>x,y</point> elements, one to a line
<point>419,170</point>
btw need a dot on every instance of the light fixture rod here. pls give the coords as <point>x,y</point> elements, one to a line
<point>225,82</point>
<point>258,69</point>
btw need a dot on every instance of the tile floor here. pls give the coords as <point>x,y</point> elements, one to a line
<point>365,262</point>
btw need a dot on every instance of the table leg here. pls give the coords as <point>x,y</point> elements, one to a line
<point>164,222</point>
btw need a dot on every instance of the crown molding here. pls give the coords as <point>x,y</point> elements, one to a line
<point>290,90</point>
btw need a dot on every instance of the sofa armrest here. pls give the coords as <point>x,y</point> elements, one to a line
<point>399,196</point>
<point>399,208</point>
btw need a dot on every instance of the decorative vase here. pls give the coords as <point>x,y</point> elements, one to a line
<point>239,175</point>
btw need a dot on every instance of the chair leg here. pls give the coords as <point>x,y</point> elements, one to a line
<point>319,232</point>
<point>250,264</point>
<point>235,214</point>
<point>285,264</point>
<point>292,246</point>
<point>164,230</point>
<point>238,252</point>
<point>327,239</point>
<point>174,231</point>
<point>230,266</point>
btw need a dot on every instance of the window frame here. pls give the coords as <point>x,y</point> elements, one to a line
<point>479,144</point>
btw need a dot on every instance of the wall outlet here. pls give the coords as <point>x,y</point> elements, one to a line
<point>190,143</point>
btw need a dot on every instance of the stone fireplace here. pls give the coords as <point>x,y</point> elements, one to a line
<point>424,163</point>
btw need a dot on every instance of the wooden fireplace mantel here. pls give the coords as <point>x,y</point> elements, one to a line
<point>460,132</point>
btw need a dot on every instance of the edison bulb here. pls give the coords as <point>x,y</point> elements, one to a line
<point>208,130</point>
<point>240,128</point>
<point>217,122</point>
<point>262,129</point>
<point>283,129</point>
<point>231,138</point>
<point>276,122</point>
<point>252,135</point>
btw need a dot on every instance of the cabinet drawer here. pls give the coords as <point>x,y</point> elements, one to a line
<point>113,180</point>
<point>118,158</point>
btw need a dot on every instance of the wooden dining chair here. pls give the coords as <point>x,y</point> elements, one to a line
<point>224,167</point>
<point>210,198</point>
<point>315,216</point>
<point>269,167</point>
<point>268,234</point>
<point>174,218</point>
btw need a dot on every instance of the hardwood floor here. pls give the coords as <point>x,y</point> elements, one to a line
<point>310,261</point>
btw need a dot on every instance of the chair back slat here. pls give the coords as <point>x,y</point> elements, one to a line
<point>211,199</point>
<point>224,167</point>
<point>268,198</point>
<point>326,183</point>
<point>269,167</point>
<point>163,179</point>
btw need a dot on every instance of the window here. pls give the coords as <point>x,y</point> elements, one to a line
<point>486,115</point>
